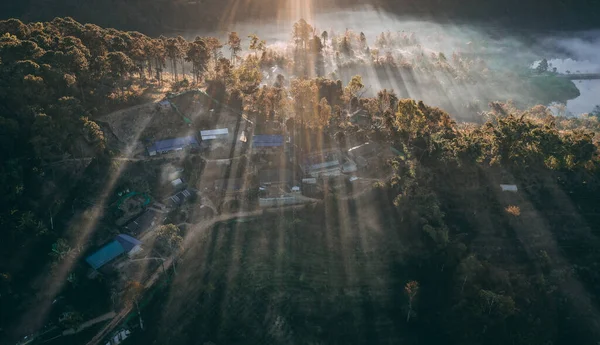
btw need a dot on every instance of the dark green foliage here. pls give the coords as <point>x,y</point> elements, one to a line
<point>434,243</point>
<point>51,75</point>
<point>547,88</point>
<point>542,67</point>
<point>433,248</point>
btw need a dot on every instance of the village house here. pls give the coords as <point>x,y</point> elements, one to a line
<point>143,223</point>
<point>171,145</point>
<point>164,104</point>
<point>267,143</point>
<point>281,200</point>
<point>215,134</point>
<point>122,244</point>
<point>327,163</point>
<point>179,198</point>
<point>509,188</point>
<point>364,154</point>
<point>177,183</point>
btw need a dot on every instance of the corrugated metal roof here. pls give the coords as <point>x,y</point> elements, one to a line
<point>366,149</point>
<point>173,144</point>
<point>106,254</point>
<point>180,197</point>
<point>214,133</point>
<point>326,157</point>
<point>324,165</point>
<point>267,140</point>
<point>122,244</point>
<point>128,242</point>
<point>509,188</point>
<point>141,223</point>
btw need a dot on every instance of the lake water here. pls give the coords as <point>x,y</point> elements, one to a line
<point>590,97</point>
<point>589,89</point>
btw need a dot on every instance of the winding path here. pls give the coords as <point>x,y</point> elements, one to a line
<point>197,227</point>
<point>90,323</point>
<point>157,273</point>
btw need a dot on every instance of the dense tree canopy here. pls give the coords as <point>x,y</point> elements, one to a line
<point>452,251</point>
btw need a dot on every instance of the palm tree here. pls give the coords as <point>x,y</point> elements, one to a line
<point>61,249</point>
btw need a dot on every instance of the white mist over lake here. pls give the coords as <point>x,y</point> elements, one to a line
<point>500,48</point>
<point>589,89</point>
<point>590,97</point>
<point>577,53</point>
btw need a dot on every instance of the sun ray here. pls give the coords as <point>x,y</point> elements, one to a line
<point>87,226</point>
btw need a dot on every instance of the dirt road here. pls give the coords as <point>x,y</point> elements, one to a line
<point>89,323</point>
<point>197,229</point>
<point>116,321</point>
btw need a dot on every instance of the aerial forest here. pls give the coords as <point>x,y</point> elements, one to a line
<point>451,258</point>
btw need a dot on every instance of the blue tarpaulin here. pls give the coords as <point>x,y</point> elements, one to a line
<point>267,140</point>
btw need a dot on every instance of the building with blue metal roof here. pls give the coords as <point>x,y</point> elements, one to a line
<point>212,134</point>
<point>122,244</point>
<point>169,145</point>
<point>267,140</point>
<point>127,242</point>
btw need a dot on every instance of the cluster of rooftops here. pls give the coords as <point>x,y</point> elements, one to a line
<point>125,244</point>
<point>192,142</point>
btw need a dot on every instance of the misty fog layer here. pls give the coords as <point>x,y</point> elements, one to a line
<point>488,63</point>
<point>577,53</point>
